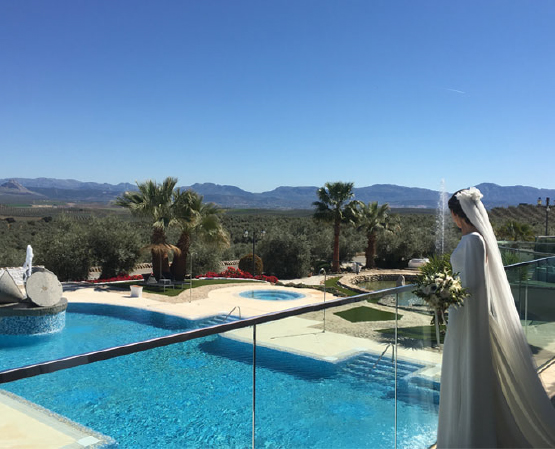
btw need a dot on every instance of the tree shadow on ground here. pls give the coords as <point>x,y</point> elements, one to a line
<point>417,337</point>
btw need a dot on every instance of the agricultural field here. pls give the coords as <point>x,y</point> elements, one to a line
<point>535,216</point>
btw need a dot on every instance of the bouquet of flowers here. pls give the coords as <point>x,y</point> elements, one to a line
<point>440,289</point>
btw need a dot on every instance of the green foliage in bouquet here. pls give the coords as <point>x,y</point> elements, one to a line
<point>438,285</point>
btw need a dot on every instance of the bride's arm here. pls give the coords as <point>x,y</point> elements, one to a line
<point>474,276</point>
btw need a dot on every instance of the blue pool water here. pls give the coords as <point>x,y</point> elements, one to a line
<point>271,295</point>
<point>199,394</point>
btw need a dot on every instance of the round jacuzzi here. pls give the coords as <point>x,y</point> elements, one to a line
<point>271,295</point>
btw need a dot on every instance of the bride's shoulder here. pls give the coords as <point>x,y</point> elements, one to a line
<point>473,239</point>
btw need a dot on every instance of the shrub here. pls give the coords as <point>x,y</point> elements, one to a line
<point>286,256</point>
<point>120,278</point>
<point>234,273</point>
<point>395,249</point>
<point>205,258</point>
<point>115,246</point>
<point>64,250</point>
<point>245,264</point>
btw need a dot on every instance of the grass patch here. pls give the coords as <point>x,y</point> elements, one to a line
<point>425,333</point>
<point>201,282</point>
<point>176,291</point>
<point>331,284</point>
<point>168,292</point>
<point>363,313</point>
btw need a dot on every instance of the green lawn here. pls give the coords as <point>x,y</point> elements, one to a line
<point>364,313</point>
<point>332,285</point>
<point>176,291</point>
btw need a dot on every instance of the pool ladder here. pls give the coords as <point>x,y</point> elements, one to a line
<point>383,353</point>
<point>231,311</point>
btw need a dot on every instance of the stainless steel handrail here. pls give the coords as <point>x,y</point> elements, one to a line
<point>530,262</point>
<point>236,307</point>
<point>12,375</point>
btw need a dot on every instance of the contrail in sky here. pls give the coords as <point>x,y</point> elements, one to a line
<point>453,90</point>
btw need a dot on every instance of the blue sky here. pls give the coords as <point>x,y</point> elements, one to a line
<point>260,94</point>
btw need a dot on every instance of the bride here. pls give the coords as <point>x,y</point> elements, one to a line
<point>491,395</point>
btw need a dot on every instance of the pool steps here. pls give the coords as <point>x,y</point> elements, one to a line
<point>364,366</point>
<point>216,319</point>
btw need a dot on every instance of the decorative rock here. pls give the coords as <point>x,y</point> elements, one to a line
<point>44,289</point>
<point>16,274</point>
<point>9,291</point>
<point>417,263</point>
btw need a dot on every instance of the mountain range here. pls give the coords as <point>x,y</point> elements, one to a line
<point>27,190</point>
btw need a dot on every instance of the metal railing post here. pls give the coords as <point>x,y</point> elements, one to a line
<point>253,385</point>
<point>395,365</point>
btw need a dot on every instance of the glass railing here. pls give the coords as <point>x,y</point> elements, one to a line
<point>350,372</point>
<point>361,371</point>
<point>533,287</point>
<point>516,252</point>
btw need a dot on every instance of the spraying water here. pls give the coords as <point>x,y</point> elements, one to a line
<point>440,219</point>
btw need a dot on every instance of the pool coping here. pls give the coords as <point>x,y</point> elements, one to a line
<point>50,430</point>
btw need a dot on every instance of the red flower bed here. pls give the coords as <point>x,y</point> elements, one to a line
<point>235,273</point>
<point>121,277</point>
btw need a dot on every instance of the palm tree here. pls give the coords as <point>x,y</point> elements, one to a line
<point>195,218</point>
<point>372,218</point>
<point>336,206</point>
<point>516,231</point>
<point>154,201</point>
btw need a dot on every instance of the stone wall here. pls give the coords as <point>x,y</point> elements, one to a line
<point>351,281</point>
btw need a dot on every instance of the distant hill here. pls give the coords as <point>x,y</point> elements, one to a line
<point>283,197</point>
<point>11,191</point>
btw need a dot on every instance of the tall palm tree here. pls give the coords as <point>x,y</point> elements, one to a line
<point>195,218</point>
<point>336,206</point>
<point>372,218</point>
<point>154,201</point>
<point>516,231</point>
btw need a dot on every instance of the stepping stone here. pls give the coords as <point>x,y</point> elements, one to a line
<point>44,289</point>
<point>9,291</point>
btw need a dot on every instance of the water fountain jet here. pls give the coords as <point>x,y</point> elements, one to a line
<point>441,212</point>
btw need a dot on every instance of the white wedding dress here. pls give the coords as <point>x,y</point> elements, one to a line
<point>466,415</point>
<point>491,395</point>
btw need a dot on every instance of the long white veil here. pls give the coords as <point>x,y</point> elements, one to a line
<point>521,387</point>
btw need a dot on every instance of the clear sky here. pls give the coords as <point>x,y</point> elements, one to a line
<point>264,93</point>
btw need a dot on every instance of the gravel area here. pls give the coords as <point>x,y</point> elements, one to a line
<point>334,323</point>
<point>367,329</point>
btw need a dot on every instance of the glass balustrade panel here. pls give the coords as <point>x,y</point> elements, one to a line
<point>326,380</point>
<point>537,293</point>
<point>195,394</point>
<point>418,370</point>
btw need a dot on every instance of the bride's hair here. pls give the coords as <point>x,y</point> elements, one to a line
<point>455,207</point>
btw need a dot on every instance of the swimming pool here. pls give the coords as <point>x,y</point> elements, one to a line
<point>199,393</point>
<point>271,295</point>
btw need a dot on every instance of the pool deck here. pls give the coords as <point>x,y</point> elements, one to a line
<point>49,430</point>
<point>297,335</point>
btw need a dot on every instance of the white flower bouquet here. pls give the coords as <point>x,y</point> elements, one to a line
<point>440,289</point>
